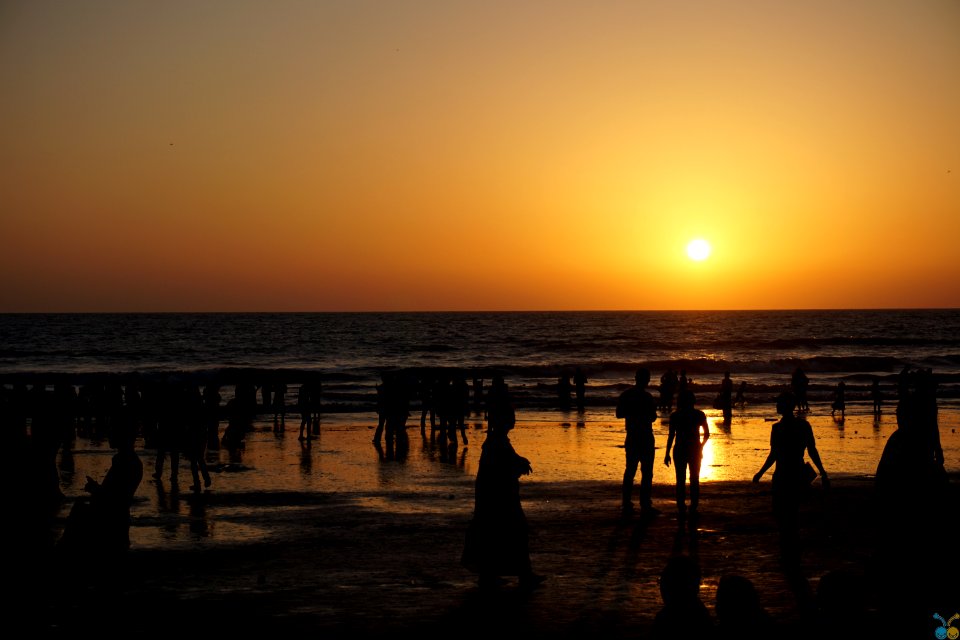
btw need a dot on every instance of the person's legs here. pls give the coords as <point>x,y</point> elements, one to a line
<point>694,463</point>
<point>680,468</point>
<point>633,460</point>
<point>158,465</point>
<point>648,450</point>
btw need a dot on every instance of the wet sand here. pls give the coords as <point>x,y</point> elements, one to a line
<point>342,570</point>
<point>337,564</point>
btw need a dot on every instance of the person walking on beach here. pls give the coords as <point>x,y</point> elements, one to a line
<point>686,424</point>
<point>638,410</point>
<point>789,439</point>
<point>497,541</point>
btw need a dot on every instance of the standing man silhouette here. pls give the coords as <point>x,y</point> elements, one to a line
<point>639,411</point>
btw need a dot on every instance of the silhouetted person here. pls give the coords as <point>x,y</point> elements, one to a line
<point>280,402</point>
<point>841,607</point>
<point>397,404</point>
<point>683,616</point>
<point>790,438</point>
<point>427,404</point>
<point>460,405</point>
<point>739,614</point>
<point>477,395</point>
<point>798,384</point>
<point>840,399</point>
<point>102,523</point>
<point>305,408</point>
<point>668,386</point>
<point>316,403</point>
<point>726,396</point>
<point>911,465</point>
<point>381,408</point>
<point>683,382</point>
<point>580,387</point>
<point>497,541</point>
<point>238,423</point>
<point>741,398</point>
<point>914,510</point>
<point>876,395</point>
<point>686,424</point>
<point>195,437</point>
<point>638,410</point>
<point>169,437</point>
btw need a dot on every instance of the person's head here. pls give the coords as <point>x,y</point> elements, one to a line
<point>686,400</point>
<point>786,401</point>
<point>737,598</point>
<point>680,580</point>
<point>642,377</point>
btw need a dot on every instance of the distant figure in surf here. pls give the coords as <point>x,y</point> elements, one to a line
<point>668,385</point>
<point>305,408</point>
<point>580,385</point>
<point>741,399</point>
<point>798,384</point>
<point>279,404</point>
<point>876,395</point>
<point>840,400</point>
<point>726,396</point>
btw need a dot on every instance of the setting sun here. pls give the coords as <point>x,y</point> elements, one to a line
<point>698,249</point>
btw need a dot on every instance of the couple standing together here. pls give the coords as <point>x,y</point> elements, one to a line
<point>639,411</point>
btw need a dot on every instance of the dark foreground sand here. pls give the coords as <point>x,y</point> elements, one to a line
<point>345,571</point>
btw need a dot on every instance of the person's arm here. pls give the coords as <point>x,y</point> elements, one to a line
<point>671,434</point>
<point>705,425</point>
<point>771,457</point>
<point>815,456</point>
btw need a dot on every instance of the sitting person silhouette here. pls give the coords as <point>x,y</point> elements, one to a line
<point>101,523</point>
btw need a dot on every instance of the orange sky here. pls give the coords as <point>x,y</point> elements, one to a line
<point>436,155</point>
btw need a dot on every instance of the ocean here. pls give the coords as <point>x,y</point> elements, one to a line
<point>531,350</point>
<point>255,486</point>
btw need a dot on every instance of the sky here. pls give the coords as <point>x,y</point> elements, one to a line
<point>440,155</point>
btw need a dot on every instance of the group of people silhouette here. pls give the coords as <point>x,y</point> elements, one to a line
<point>180,417</point>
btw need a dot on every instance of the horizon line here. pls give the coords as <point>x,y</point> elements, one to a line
<point>475,311</point>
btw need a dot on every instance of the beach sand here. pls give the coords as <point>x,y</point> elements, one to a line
<point>335,564</point>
